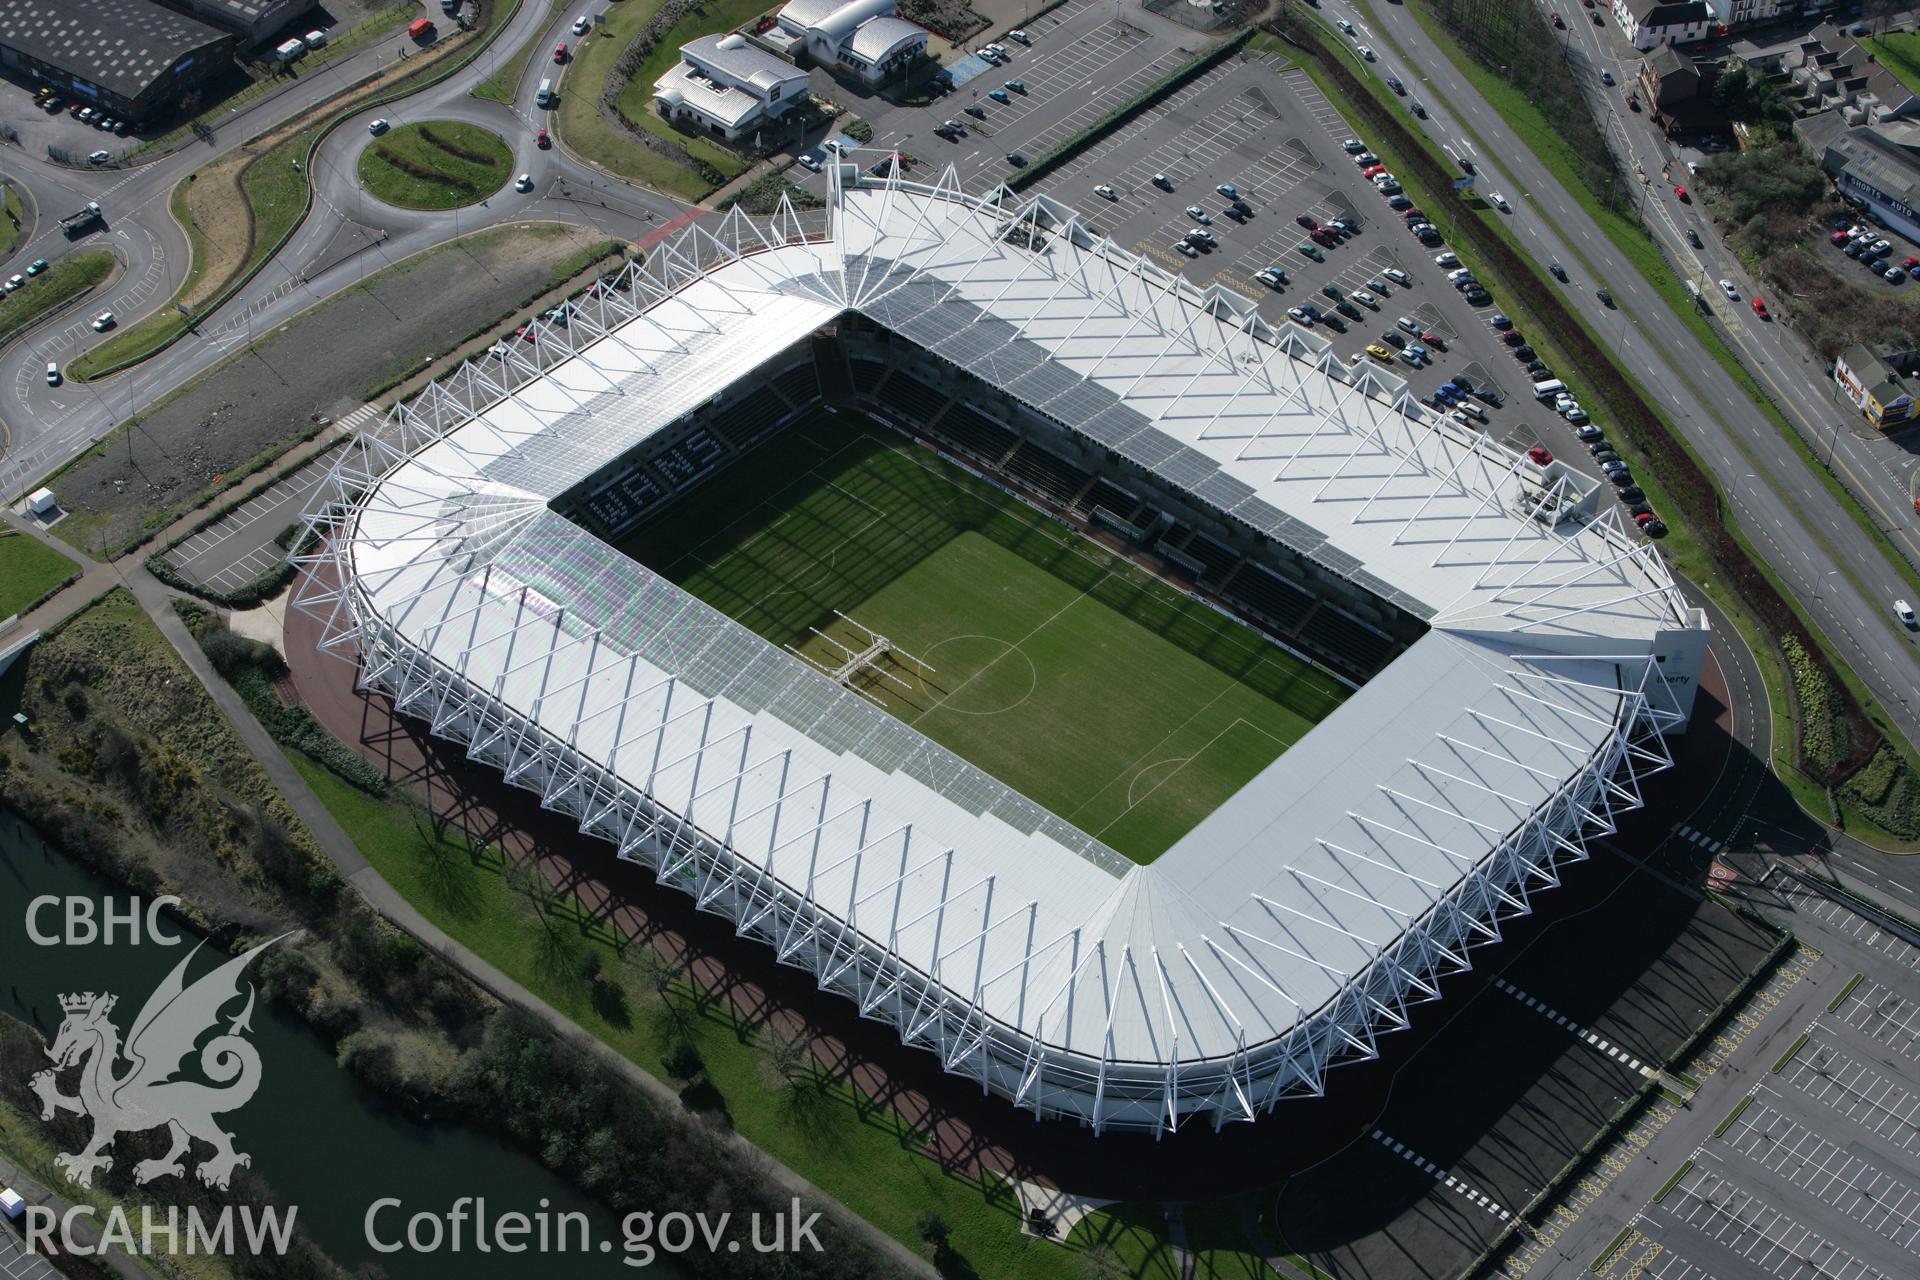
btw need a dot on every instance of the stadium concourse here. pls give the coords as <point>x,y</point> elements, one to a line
<point>1527,653</point>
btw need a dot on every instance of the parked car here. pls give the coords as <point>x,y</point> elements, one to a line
<point>1398,276</point>
<point>1353,146</point>
<point>1181,246</point>
<point>1199,215</point>
<point>1162,181</point>
<point>98,157</point>
<point>1020,36</point>
<point>1106,192</point>
<point>1017,86</point>
<point>53,374</point>
<point>1307,221</point>
<point>1539,456</point>
<point>35,267</point>
<point>1311,252</point>
<point>1366,299</point>
<point>999,95</point>
<point>1447,259</point>
<point>1228,190</point>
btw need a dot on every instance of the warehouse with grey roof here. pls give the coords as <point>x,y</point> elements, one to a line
<point>131,58</point>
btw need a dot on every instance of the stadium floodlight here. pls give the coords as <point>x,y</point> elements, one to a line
<point>1513,653</point>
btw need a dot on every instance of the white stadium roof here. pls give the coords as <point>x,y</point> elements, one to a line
<point>1273,939</point>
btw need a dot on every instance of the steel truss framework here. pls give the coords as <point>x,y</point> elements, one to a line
<point>809,869</point>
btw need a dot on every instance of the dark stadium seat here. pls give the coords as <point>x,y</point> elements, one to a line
<point>1346,641</point>
<point>975,433</point>
<point>867,375</point>
<point>1270,596</point>
<point>798,386</point>
<point>1047,474</point>
<point>917,403</point>
<point>746,420</point>
<point>1218,559</point>
<point>1111,496</point>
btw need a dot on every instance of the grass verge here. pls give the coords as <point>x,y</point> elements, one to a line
<point>591,135</point>
<point>1732,1116</point>
<point>1667,1187</point>
<point>1606,1255</point>
<point>66,279</point>
<point>12,218</point>
<point>29,572</point>
<point>499,86</point>
<point>435,164</point>
<point>1833,1005</point>
<point>1780,1063</point>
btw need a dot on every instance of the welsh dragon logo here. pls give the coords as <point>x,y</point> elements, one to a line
<point>147,1095</point>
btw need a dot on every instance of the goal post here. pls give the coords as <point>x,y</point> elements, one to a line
<point>869,654</point>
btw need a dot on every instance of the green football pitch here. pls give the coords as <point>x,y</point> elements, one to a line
<point>1069,674</point>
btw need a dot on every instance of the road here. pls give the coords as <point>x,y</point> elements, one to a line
<point>1831,566</point>
<point>348,236</point>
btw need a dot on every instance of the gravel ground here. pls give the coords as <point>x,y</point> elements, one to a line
<point>261,401</point>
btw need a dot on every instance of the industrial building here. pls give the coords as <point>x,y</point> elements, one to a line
<point>131,58</point>
<point>253,21</point>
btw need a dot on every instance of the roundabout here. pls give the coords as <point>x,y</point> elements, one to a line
<point>435,165</point>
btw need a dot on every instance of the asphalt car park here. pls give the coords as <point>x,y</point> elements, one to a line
<point>243,544</point>
<point>1816,1171</point>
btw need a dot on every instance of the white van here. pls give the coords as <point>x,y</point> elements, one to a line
<point>544,98</point>
<point>314,39</point>
<point>1544,391</point>
<point>289,50</point>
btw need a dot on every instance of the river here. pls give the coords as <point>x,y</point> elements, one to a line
<point>322,1141</point>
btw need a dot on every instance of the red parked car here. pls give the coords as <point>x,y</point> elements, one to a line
<point>1306,221</point>
<point>1539,456</point>
<point>1837,238</point>
<point>1414,215</point>
<point>1512,338</point>
<point>1909,264</point>
<point>1322,237</point>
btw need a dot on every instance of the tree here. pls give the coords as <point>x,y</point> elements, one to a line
<point>934,1231</point>
<point>787,1057</point>
<point>682,1060</point>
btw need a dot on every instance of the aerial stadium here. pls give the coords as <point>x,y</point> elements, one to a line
<point>1120,696</point>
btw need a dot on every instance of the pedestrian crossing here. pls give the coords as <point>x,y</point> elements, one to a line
<point>1700,838</point>
<point>1614,1051</point>
<point>1452,1183</point>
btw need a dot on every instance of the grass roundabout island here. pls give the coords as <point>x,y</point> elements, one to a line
<point>436,164</point>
